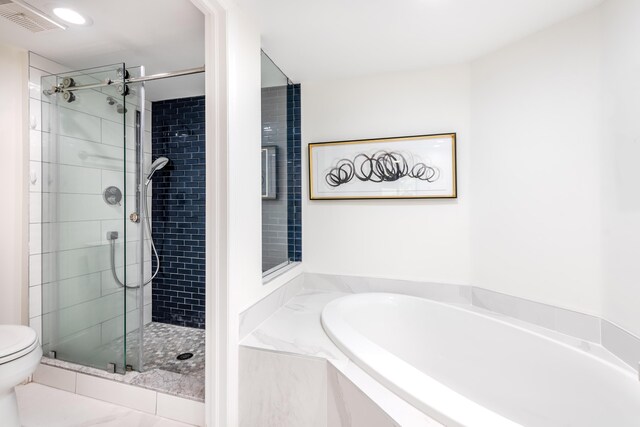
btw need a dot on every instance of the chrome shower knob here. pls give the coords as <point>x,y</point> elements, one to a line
<point>112,195</point>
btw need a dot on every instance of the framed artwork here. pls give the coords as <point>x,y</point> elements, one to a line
<point>269,158</point>
<point>410,167</point>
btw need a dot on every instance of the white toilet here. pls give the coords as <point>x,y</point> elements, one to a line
<point>20,354</point>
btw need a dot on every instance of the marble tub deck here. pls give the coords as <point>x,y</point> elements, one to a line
<point>162,371</point>
<point>296,328</point>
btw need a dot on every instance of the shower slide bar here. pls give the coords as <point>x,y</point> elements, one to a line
<point>69,87</point>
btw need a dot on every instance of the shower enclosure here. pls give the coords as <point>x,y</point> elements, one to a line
<point>96,253</point>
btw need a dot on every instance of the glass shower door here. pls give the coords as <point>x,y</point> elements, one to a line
<point>138,145</point>
<point>87,190</point>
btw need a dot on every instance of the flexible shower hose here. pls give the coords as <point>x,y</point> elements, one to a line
<point>153,247</point>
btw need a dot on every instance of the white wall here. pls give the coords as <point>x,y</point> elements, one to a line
<point>13,151</point>
<point>620,156</point>
<point>407,239</point>
<point>536,168</point>
<point>549,142</point>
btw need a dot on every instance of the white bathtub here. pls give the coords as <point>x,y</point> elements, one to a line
<point>464,368</point>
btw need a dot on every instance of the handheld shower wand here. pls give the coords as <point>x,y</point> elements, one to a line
<point>158,164</point>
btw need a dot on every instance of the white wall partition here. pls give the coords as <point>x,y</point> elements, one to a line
<point>243,197</point>
<point>234,273</point>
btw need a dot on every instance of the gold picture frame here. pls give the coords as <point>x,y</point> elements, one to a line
<point>407,167</point>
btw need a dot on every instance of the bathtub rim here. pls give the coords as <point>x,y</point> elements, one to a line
<point>588,327</point>
<point>332,315</point>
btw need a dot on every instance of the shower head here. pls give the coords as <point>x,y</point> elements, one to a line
<point>158,164</point>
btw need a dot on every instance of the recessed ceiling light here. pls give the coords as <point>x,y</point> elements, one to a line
<point>70,16</point>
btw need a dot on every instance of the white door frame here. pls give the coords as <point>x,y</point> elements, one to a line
<point>221,365</point>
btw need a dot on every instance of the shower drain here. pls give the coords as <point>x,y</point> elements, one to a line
<point>184,356</point>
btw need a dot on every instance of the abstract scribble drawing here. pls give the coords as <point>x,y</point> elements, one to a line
<point>382,166</point>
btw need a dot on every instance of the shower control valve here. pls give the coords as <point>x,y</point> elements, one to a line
<point>134,217</point>
<point>112,195</point>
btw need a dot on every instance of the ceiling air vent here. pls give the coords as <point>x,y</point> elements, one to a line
<point>27,16</point>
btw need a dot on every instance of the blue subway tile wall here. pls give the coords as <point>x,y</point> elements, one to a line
<point>294,172</point>
<point>178,211</point>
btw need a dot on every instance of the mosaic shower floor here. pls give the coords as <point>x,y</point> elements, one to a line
<point>163,343</point>
<point>163,371</point>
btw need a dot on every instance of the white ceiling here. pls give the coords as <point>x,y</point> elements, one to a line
<point>312,39</point>
<point>307,39</point>
<point>162,35</point>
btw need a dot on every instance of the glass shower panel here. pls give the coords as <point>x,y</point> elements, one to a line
<point>274,155</point>
<point>138,145</point>
<point>86,199</point>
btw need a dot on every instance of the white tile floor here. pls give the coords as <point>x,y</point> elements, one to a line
<point>42,406</point>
